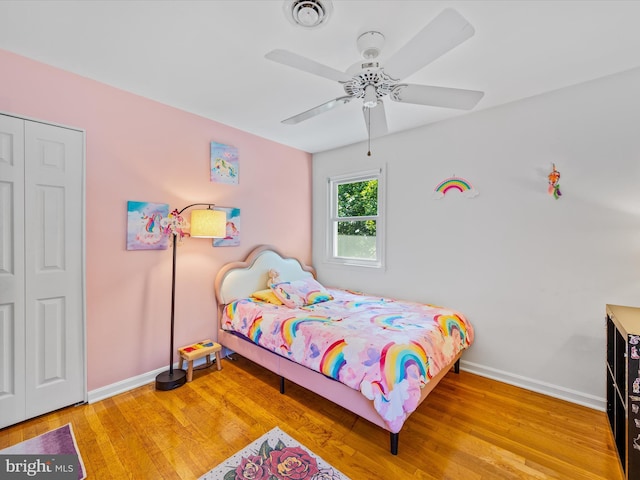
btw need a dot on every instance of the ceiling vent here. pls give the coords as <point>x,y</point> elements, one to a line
<point>308,13</point>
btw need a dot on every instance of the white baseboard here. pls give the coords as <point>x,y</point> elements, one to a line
<point>131,383</point>
<point>573,396</point>
<point>555,391</point>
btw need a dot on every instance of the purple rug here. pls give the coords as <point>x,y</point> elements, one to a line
<point>60,441</point>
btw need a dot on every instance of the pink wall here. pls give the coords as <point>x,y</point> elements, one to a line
<point>138,149</point>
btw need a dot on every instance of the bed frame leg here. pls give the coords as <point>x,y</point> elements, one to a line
<point>394,443</point>
<point>281,384</point>
<point>456,366</point>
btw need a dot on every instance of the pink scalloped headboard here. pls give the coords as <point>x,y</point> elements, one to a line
<point>240,279</point>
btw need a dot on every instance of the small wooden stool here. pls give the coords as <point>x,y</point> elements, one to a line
<point>196,351</point>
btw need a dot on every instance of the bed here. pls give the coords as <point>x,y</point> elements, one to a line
<point>376,357</point>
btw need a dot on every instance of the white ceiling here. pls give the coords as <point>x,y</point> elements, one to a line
<point>207,57</point>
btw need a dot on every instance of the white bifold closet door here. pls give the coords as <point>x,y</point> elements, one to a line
<point>42,324</point>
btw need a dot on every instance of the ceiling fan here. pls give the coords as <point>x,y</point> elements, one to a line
<point>371,81</point>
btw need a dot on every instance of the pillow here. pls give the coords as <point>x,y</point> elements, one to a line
<point>301,292</point>
<point>266,296</point>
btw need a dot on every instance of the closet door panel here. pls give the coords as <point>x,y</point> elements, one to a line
<point>54,251</point>
<point>12,274</point>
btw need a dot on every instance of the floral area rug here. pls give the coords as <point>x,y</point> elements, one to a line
<point>274,456</point>
<point>60,441</point>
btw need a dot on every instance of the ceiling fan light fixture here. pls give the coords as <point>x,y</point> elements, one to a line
<point>308,13</point>
<point>370,97</point>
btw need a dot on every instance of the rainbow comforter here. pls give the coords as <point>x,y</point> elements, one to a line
<point>384,348</point>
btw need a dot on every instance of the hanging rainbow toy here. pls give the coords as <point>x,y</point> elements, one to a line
<point>454,183</point>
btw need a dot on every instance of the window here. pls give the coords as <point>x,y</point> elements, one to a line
<point>355,230</point>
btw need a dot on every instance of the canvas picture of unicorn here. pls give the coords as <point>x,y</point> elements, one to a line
<point>224,163</point>
<point>232,238</point>
<point>143,226</point>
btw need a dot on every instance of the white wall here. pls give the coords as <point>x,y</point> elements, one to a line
<point>532,273</point>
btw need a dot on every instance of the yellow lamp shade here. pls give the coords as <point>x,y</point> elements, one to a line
<point>208,224</point>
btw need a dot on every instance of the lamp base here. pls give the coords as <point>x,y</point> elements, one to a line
<point>169,381</point>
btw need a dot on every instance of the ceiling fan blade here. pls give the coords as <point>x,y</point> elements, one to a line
<point>317,110</point>
<point>437,96</point>
<point>443,33</point>
<point>307,65</point>
<point>376,120</point>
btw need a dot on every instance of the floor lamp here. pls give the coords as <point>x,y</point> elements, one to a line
<point>205,223</point>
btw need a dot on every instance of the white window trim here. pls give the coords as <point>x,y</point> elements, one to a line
<point>332,218</point>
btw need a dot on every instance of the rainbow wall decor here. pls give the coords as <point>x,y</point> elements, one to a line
<point>454,183</point>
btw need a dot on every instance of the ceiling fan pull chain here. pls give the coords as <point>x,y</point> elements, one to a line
<point>369,130</point>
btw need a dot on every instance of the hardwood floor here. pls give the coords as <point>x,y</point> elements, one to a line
<point>469,428</point>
